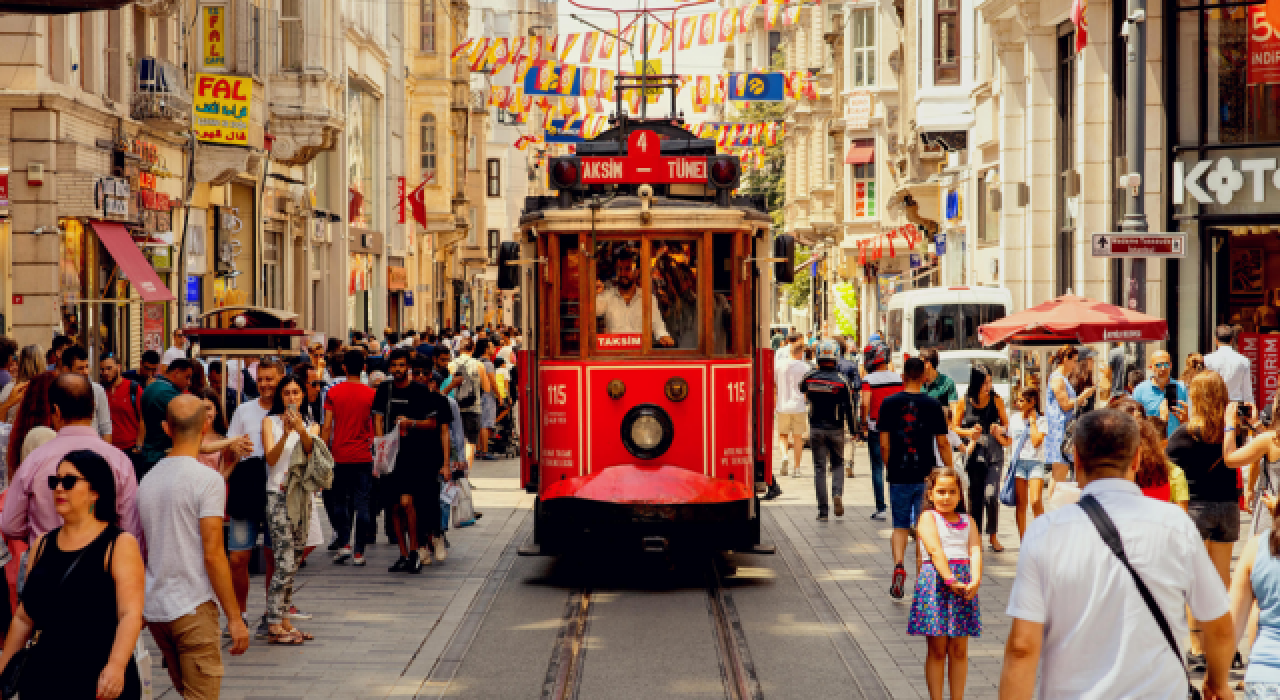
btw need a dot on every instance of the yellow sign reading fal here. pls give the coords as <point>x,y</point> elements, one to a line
<point>222,108</point>
<point>213,32</point>
<point>651,67</point>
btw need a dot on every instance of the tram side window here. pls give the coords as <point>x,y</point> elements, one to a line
<point>674,272</point>
<point>722,294</point>
<point>570,304</point>
<point>619,311</point>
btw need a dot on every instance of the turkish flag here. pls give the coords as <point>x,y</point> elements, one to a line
<point>417,205</point>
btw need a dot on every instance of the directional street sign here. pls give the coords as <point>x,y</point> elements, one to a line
<point>1146,245</point>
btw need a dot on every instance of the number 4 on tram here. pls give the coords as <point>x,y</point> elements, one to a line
<point>646,383</point>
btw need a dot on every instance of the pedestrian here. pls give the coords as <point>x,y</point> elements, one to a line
<point>879,383</point>
<point>176,351</point>
<point>33,422</point>
<point>75,359</point>
<point>910,424</point>
<point>348,430</point>
<point>89,613</point>
<point>148,368</point>
<point>422,419</point>
<point>283,431</point>
<point>1262,450</point>
<point>1214,506</point>
<point>124,399</point>
<point>53,358</point>
<point>30,365</point>
<point>830,400</point>
<point>1078,615</point>
<point>1061,408</point>
<point>777,339</point>
<point>468,380</point>
<point>1027,428</point>
<point>984,422</point>
<point>216,382</point>
<point>793,427</point>
<point>1194,365</point>
<point>937,384</point>
<point>945,607</point>
<point>247,489</point>
<point>1158,477</point>
<point>849,369</point>
<point>155,406</point>
<point>181,504</point>
<point>1162,395</point>
<point>1231,366</point>
<point>8,360</point>
<point>488,398</point>
<point>30,509</point>
<point>217,451</point>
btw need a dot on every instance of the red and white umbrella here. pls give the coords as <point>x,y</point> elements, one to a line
<point>1077,320</point>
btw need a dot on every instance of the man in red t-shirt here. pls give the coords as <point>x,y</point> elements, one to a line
<point>124,396</point>
<point>348,430</point>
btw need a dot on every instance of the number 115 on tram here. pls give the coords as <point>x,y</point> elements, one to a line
<point>645,387</point>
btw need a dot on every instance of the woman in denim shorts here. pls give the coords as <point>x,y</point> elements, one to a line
<point>1028,464</point>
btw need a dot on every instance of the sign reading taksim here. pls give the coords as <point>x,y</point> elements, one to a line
<point>222,108</point>
<point>643,163</point>
<point>1146,245</point>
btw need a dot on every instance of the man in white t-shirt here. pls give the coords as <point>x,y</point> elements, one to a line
<point>178,349</point>
<point>1077,612</point>
<point>791,416</point>
<point>181,503</point>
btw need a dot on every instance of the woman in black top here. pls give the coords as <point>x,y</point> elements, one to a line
<point>983,420</point>
<point>1215,497</point>
<point>84,594</point>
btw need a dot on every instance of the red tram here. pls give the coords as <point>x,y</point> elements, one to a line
<point>645,388</point>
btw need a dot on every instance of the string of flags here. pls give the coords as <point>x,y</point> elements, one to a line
<point>875,246</point>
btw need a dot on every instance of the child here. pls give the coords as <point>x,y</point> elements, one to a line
<point>945,609</point>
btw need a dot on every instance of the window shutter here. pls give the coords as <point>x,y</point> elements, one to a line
<point>244,36</point>
<point>273,41</point>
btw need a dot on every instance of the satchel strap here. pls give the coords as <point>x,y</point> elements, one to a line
<point>1107,529</point>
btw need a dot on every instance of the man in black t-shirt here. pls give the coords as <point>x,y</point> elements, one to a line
<point>422,418</point>
<point>910,424</point>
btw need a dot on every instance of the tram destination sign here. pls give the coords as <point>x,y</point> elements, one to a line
<point>1145,245</point>
<point>644,163</point>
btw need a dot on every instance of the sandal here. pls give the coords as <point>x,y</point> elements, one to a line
<point>285,638</point>
<point>304,635</point>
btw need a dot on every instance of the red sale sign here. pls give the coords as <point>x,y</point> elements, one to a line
<point>1263,353</point>
<point>1264,49</point>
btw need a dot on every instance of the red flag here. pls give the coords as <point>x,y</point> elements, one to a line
<point>418,205</point>
<point>1080,17</point>
<point>400,188</point>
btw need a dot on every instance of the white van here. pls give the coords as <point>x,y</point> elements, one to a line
<point>947,318</point>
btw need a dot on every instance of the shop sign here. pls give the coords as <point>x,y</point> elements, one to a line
<point>1147,245</point>
<point>213,33</point>
<point>1263,352</point>
<point>111,197</point>
<point>193,289</point>
<point>4,189</point>
<point>222,108</point>
<point>397,279</point>
<point>1217,180</point>
<point>857,110</point>
<point>153,327</point>
<point>1264,49</point>
<point>940,243</point>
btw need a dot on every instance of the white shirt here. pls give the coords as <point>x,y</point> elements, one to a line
<point>172,499</point>
<point>101,410</point>
<point>173,353</point>
<point>787,379</point>
<point>247,420</point>
<point>1100,640</point>
<point>1234,369</point>
<point>623,317</point>
<point>1018,426</point>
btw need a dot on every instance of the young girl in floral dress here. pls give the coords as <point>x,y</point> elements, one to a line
<point>945,608</point>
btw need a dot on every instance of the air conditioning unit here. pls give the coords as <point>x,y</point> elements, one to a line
<point>320,230</point>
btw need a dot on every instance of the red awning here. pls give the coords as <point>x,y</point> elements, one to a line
<point>860,155</point>
<point>140,273</point>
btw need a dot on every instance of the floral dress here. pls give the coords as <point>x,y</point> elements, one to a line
<point>936,610</point>
<point>1057,422</point>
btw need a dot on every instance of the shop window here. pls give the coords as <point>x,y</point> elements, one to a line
<point>495,236</point>
<point>427,25</point>
<point>570,304</point>
<point>946,43</point>
<point>862,47</point>
<point>493,177</point>
<point>427,148</point>
<point>291,34</point>
<point>1243,99</point>
<point>675,288</point>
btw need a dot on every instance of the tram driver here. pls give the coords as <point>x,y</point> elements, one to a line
<point>616,307</point>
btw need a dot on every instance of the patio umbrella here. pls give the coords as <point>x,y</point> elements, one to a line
<point>1073,319</point>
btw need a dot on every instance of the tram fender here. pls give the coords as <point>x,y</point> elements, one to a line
<point>659,485</point>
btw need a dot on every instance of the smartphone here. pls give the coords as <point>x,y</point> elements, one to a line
<point>1245,411</point>
<point>1171,395</point>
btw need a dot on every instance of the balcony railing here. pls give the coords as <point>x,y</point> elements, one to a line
<point>160,96</point>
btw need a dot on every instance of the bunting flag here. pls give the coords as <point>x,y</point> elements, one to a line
<point>568,73</point>
<point>702,90</point>
<point>498,54</point>
<point>628,37</point>
<point>588,81</point>
<point>551,45</point>
<point>417,205</point>
<point>606,47</point>
<point>707,29</point>
<point>535,49</point>
<point>688,29</point>
<point>517,47</point>
<point>739,85</point>
<point>606,84</point>
<point>589,46</point>
<point>772,16</point>
<point>745,15</point>
<point>650,33</point>
<point>721,90</point>
<point>790,15</point>
<point>569,42</point>
<point>479,52</point>
<point>667,36</point>
<point>461,48</point>
<point>521,69</point>
<point>728,23</point>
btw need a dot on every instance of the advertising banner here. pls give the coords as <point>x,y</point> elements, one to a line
<point>222,108</point>
<point>1264,49</point>
<point>213,36</point>
<point>757,87</point>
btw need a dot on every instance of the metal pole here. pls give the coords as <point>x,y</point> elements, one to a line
<point>1135,218</point>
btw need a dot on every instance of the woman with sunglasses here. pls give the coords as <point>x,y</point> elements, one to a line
<point>84,594</point>
<point>284,421</point>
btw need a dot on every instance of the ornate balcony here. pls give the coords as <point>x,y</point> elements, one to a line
<point>161,99</point>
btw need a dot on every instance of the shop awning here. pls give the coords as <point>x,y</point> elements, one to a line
<point>860,155</point>
<point>140,273</point>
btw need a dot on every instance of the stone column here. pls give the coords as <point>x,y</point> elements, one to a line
<point>36,257</point>
<point>1040,175</point>
<point>1016,253</point>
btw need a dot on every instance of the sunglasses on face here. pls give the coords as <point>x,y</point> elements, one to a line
<point>1163,365</point>
<point>67,482</point>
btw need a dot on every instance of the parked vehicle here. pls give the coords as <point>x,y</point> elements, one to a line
<point>947,318</point>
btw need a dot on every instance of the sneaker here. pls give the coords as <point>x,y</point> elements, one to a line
<point>445,537</point>
<point>424,555</point>
<point>402,564</point>
<point>441,552</point>
<point>415,563</point>
<point>822,516</point>
<point>839,504</point>
<point>358,560</point>
<point>899,580</point>
<point>335,545</point>
<point>296,614</point>
<point>879,515</point>
<point>1196,662</point>
<point>263,630</point>
<point>1237,662</point>
<point>774,492</point>
<point>342,556</point>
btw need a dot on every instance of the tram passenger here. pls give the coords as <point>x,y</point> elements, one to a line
<point>614,304</point>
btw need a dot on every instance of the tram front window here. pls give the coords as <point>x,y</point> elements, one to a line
<point>674,271</point>
<point>619,311</point>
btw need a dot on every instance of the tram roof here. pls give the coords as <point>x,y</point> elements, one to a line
<point>752,208</point>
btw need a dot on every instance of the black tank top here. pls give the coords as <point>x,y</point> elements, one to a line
<point>989,451</point>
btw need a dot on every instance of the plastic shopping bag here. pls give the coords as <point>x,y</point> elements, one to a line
<point>464,513</point>
<point>385,449</point>
<point>142,658</point>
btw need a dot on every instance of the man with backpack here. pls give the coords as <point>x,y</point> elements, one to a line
<point>469,380</point>
<point>124,397</point>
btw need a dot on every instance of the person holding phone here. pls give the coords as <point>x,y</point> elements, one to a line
<point>1162,395</point>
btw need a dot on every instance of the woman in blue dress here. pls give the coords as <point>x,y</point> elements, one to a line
<point>1062,404</point>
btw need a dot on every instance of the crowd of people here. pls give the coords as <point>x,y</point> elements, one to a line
<point>1109,595</point>
<point>140,500</point>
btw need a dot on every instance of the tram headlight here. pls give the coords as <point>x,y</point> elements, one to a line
<point>723,171</point>
<point>564,173</point>
<point>647,431</point>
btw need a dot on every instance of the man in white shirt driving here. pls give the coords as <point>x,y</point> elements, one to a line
<point>616,304</point>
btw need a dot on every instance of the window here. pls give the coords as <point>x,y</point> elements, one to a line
<point>427,25</point>
<point>863,179</point>
<point>570,306</point>
<point>473,155</point>
<point>935,326</point>
<point>495,236</point>
<point>775,38</point>
<point>833,144</point>
<point>427,147</point>
<point>675,289</point>
<point>291,34</point>
<point>1067,205</point>
<point>722,295</point>
<point>988,214</point>
<point>255,38</point>
<point>946,43</point>
<point>493,177</point>
<point>113,56</point>
<point>82,46</point>
<point>895,330</point>
<point>473,236</point>
<point>747,53</point>
<point>502,116</point>
<point>862,47</point>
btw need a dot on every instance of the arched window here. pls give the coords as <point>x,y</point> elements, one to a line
<point>428,146</point>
